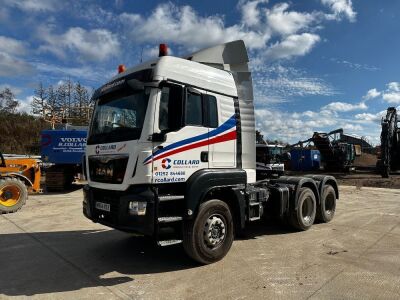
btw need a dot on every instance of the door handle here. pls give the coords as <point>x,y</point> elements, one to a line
<point>204,156</point>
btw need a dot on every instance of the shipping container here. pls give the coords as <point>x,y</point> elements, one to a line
<point>305,160</point>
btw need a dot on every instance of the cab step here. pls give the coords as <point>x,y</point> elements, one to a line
<point>168,242</point>
<point>169,219</point>
<point>170,198</point>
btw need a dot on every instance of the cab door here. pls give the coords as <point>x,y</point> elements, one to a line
<point>180,123</point>
<point>223,135</point>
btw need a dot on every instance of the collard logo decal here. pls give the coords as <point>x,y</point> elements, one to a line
<point>166,163</point>
<point>106,148</point>
<point>172,170</point>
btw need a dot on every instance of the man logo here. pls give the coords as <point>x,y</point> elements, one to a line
<point>97,149</point>
<point>166,163</point>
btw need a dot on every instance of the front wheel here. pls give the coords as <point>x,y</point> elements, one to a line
<point>303,217</point>
<point>209,236</point>
<point>13,195</point>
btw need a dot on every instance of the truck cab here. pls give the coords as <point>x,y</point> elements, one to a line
<point>269,161</point>
<point>171,154</point>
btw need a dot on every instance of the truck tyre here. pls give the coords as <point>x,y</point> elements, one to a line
<point>385,172</point>
<point>303,217</point>
<point>209,236</point>
<point>13,195</point>
<point>326,210</point>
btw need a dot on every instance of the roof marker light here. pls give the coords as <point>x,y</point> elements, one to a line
<point>163,50</point>
<point>121,69</point>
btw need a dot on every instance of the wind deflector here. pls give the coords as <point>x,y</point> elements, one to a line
<point>231,57</point>
<point>232,53</point>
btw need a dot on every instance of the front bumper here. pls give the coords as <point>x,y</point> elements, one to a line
<point>118,217</point>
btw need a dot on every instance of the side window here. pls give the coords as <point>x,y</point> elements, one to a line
<point>194,109</point>
<point>163,123</point>
<point>211,111</point>
<point>197,110</point>
<point>170,111</point>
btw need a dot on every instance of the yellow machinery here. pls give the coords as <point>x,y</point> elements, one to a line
<point>18,177</point>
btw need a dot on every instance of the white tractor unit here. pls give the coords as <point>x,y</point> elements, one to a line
<point>171,154</point>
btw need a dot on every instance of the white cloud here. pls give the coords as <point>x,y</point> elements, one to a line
<point>294,126</point>
<point>371,94</point>
<point>83,72</point>
<point>291,127</point>
<point>183,26</point>
<point>95,44</point>
<point>12,46</point>
<point>394,86</point>
<point>392,93</point>
<point>368,117</point>
<point>270,33</point>
<point>250,12</point>
<point>345,107</point>
<point>293,45</point>
<point>353,65</point>
<point>277,84</point>
<point>10,62</point>
<point>284,22</point>
<point>340,8</point>
<point>25,104</point>
<point>352,127</point>
<point>11,66</point>
<point>35,5</point>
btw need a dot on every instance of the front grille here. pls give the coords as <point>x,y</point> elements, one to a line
<point>108,168</point>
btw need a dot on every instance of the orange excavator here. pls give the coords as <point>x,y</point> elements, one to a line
<point>18,177</point>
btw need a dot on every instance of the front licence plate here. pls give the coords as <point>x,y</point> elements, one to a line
<point>103,206</point>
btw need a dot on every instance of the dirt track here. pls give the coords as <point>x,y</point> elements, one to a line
<point>361,178</point>
<point>369,179</point>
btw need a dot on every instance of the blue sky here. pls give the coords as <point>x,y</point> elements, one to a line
<point>317,64</point>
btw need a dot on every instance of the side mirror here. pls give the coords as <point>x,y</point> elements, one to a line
<point>158,137</point>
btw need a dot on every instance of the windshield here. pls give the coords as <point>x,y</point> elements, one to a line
<point>119,118</point>
<point>275,151</point>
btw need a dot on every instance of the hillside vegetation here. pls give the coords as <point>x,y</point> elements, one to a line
<point>20,133</point>
<point>67,102</point>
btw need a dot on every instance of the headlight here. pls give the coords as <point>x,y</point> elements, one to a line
<point>137,208</point>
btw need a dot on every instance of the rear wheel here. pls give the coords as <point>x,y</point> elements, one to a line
<point>303,217</point>
<point>326,210</point>
<point>385,172</point>
<point>209,236</point>
<point>13,195</point>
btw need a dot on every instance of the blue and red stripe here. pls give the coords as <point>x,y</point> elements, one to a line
<point>213,137</point>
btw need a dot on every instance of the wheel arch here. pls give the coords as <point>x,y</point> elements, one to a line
<point>224,184</point>
<point>235,199</point>
<point>23,178</point>
<point>296,183</point>
<point>323,180</point>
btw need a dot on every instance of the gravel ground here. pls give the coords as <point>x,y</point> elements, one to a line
<point>49,250</point>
